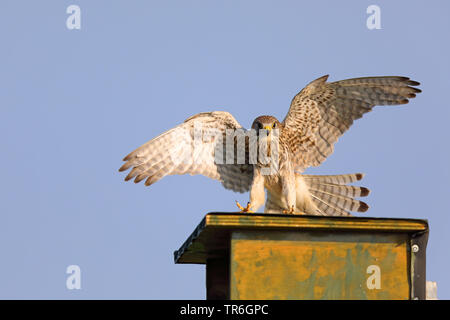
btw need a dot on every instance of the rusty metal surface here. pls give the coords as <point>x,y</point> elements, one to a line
<point>286,265</point>
<point>211,236</point>
<point>272,256</point>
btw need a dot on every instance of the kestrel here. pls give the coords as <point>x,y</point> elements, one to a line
<point>319,114</point>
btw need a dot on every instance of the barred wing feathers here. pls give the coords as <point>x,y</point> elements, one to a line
<point>177,151</point>
<point>323,111</point>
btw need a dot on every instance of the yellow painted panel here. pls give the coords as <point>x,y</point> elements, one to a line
<point>292,269</point>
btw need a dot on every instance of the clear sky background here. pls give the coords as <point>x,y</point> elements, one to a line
<point>73,103</point>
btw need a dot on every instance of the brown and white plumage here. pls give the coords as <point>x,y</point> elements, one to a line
<point>173,152</point>
<point>317,117</point>
<point>324,195</point>
<point>322,112</point>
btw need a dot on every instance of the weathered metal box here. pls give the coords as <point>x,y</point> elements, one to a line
<point>274,256</point>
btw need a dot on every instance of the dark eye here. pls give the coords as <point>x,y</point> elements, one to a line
<point>274,125</point>
<point>260,125</point>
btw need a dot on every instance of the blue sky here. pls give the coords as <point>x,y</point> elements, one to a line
<point>73,103</point>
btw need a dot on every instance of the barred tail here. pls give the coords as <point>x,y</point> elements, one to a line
<point>332,195</point>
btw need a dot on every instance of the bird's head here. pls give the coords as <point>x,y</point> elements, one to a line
<point>266,123</point>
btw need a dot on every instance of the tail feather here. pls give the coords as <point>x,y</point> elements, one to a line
<point>343,190</point>
<point>332,195</point>
<point>334,179</point>
<point>328,210</point>
<point>345,203</point>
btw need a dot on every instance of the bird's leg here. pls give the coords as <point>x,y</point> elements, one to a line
<point>289,191</point>
<point>292,211</point>
<point>246,209</point>
<point>257,194</point>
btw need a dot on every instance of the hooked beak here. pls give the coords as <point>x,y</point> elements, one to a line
<point>268,128</point>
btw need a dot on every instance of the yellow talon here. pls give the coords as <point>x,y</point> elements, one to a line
<point>246,209</point>
<point>292,211</point>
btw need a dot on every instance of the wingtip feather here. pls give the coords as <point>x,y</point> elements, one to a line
<point>124,167</point>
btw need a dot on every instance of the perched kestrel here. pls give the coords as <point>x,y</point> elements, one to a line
<point>317,117</point>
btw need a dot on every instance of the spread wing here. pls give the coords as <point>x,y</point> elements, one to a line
<point>323,111</point>
<point>194,147</point>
